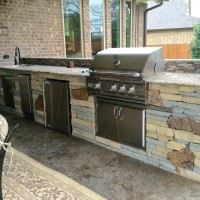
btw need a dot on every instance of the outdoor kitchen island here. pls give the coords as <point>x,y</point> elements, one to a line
<point>172,115</point>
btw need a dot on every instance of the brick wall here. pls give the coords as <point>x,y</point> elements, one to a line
<point>108,19</point>
<point>36,27</point>
<point>175,43</point>
<point>169,37</point>
<point>138,24</point>
<point>87,51</point>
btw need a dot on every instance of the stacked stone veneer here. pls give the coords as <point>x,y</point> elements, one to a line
<point>78,62</point>
<point>172,121</point>
<point>173,128</point>
<point>183,66</point>
<point>82,109</point>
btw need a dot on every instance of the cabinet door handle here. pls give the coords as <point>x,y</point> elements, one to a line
<point>115,112</point>
<point>120,113</point>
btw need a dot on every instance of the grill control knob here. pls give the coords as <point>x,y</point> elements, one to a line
<point>113,87</point>
<point>122,88</point>
<point>90,85</point>
<point>131,90</point>
<point>97,86</point>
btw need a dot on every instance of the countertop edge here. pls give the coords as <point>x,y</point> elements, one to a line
<point>76,71</point>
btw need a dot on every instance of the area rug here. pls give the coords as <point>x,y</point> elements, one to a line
<point>30,180</point>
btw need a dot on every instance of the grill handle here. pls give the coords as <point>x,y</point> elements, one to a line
<point>115,112</point>
<point>120,73</point>
<point>120,113</point>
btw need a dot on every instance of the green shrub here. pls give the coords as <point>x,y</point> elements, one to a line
<point>195,43</point>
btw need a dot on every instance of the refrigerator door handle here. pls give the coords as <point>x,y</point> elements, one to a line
<point>47,85</point>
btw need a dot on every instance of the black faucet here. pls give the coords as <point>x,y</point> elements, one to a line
<point>17,58</point>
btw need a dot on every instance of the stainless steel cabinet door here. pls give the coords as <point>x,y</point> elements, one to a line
<point>26,95</point>
<point>107,119</point>
<point>132,125</point>
<point>7,84</point>
<point>57,106</point>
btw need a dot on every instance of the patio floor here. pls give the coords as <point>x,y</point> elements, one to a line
<point>112,175</point>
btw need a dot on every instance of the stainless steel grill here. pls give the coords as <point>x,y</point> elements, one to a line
<point>117,79</point>
<point>134,62</point>
<point>121,72</point>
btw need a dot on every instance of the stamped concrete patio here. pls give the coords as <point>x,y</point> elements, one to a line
<point>112,175</point>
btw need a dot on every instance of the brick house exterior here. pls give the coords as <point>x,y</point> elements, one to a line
<point>36,27</point>
<point>171,27</point>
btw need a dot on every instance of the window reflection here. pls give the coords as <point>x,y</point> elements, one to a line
<point>128,23</point>
<point>72,24</point>
<point>115,11</point>
<point>96,25</point>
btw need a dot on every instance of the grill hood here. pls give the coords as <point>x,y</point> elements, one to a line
<point>145,61</point>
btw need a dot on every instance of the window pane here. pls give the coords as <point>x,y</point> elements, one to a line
<point>128,23</point>
<point>115,9</point>
<point>96,24</point>
<point>72,27</point>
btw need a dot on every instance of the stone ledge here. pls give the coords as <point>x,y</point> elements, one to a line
<point>165,131</point>
<point>84,133</point>
<point>164,138</point>
<point>184,88</point>
<point>159,153</point>
<point>197,154</point>
<point>187,136</point>
<point>108,142</point>
<point>157,122</point>
<point>171,97</point>
<point>194,100</point>
<point>175,145</point>
<point>188,174</point>
<point>152,134</point>
<point>82,103</point>
<point>170,89</point>
<point>151,128</point>
<point>83,123</point>
<point>197,162</point>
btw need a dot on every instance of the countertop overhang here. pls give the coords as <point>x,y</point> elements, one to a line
<point>76,71</point>
<point>162,78</point>
<point>175,78</point>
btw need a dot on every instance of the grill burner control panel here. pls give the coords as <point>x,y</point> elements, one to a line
<point>122,89</point>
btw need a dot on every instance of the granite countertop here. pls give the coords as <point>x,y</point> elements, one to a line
<point>175,78</point>
<point>163,78</point>
<point>76,71</point>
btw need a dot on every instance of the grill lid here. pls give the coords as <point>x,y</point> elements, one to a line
<point>145,61</point>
